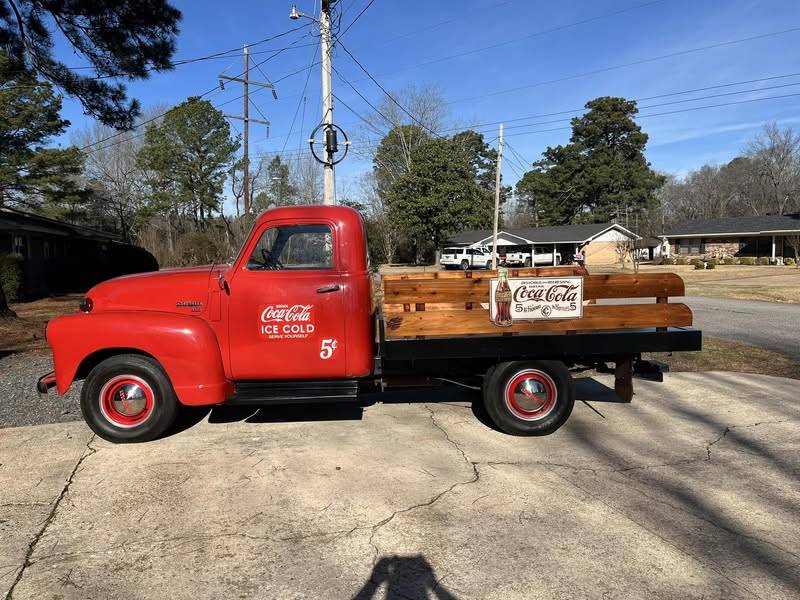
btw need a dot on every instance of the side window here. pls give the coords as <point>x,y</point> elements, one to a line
<point>293,247</point>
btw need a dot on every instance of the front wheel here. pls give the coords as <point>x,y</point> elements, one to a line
<point>529,397</point>
<point>464,265</point>
<point>128,398</point>
<point>528,262</point>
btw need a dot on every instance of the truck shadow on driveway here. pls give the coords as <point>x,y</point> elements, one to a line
<point>586,389</point>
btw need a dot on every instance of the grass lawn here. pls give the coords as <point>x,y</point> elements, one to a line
<point>26,333</point>
<point>740,282</point>
<point>722,355</point>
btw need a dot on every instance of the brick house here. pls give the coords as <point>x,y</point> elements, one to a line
<point>758,236</point>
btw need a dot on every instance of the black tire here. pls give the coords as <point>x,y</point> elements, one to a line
<point>488,264</point>
<point>464,265</point>
<point>112,385</point>
<point>557,397</point>
<point>528,262</point>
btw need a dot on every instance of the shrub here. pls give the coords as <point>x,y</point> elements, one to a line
<point>681,261</point>
<point>11,275</point>
<point>789,262</point>
<point>712,264</point>
<point>747,260</point>
<point>763,260</point>
<point>698,264</point>
<point>667,260</point>
<point>729,261</point>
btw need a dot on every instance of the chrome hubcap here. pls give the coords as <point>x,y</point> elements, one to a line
<point>129,400</point>
<point>530,395</point>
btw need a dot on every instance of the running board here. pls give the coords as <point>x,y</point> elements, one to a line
<point>294,392</point>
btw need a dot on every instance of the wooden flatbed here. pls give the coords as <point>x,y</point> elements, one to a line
<point>433,321</point>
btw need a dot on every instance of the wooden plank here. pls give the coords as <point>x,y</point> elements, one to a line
<point>476,289</point>
<point>595,317</point>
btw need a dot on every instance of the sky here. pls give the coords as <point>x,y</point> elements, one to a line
<point>516,61</point>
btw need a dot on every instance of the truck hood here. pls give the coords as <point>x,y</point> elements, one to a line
<point>184,290</point>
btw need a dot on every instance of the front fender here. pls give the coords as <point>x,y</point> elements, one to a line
<point>185,346</point>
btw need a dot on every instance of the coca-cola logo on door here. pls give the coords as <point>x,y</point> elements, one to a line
<point>539,298</point>
<point>286,321</point>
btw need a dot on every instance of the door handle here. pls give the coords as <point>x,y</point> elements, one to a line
<point>326,289</point>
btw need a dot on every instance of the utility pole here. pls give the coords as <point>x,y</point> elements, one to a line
<point>497,179</point>
<point>245,116</point>
<point>327,126</point>
<point>329,196</point>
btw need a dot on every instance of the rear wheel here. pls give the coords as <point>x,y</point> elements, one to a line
<point>529,397</point>
<point>488,264</point>
<point>528,262</point>
<point>465,265</point>
<point>128,398</point>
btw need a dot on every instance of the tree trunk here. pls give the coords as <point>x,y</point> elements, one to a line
<point>5,310</point>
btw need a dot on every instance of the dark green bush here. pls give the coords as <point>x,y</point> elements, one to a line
<point>729,261</point>
<point>747,260</point>
<point>712,264</point>
<point>11,275</point>
<point>763,260</point>
<point>681,260</point>
<point>698,264</point>
<point>789,262</point>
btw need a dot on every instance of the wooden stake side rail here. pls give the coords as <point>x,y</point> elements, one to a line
<point>450,303</point>
<point>476,289</point>
<point>595,317</point>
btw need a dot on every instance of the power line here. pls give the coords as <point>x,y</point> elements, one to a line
<point>630,64</point>
<point>186,61</point>
<point>360,95</point>
<point>364,119</point>
<point>388,95</point>
<point>302,98</point>
<point>353,22</point>
<point>203,95</point>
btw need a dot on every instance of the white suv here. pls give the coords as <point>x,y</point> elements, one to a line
<point>466,258</point>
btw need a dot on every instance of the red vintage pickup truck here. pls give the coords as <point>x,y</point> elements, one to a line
<point>298,317</point>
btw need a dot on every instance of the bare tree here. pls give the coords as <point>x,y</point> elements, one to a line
<point>776,157</point>
<point>306,175</point>
<point>403,122</point>
<point>626,251</point>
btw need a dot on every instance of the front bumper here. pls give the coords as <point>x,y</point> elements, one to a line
<point>45,382</point>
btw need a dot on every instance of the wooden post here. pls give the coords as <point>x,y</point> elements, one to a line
<point>623,379</point>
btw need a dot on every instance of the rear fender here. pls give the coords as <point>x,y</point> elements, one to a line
<point>185,346</point>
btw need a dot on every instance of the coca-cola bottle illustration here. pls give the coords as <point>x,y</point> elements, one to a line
<point>502,299</point>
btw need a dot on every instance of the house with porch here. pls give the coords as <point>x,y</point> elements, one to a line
<point>597,241</point>
<point>769,236</point>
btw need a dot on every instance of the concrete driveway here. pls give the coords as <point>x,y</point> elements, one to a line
<point>692,491</point>
<point>770,325</point>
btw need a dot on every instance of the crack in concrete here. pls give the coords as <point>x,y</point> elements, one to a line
<point>89,451</point>
<point>431,501</point>
<point>728,429</point>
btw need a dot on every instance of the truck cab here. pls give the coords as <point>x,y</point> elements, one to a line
<point>294,305</point>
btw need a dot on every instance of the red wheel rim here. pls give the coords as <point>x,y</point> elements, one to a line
<point>531,395</point>
<point>126,401</point>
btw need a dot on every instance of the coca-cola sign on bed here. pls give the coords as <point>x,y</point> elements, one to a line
<point>538,298</point>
